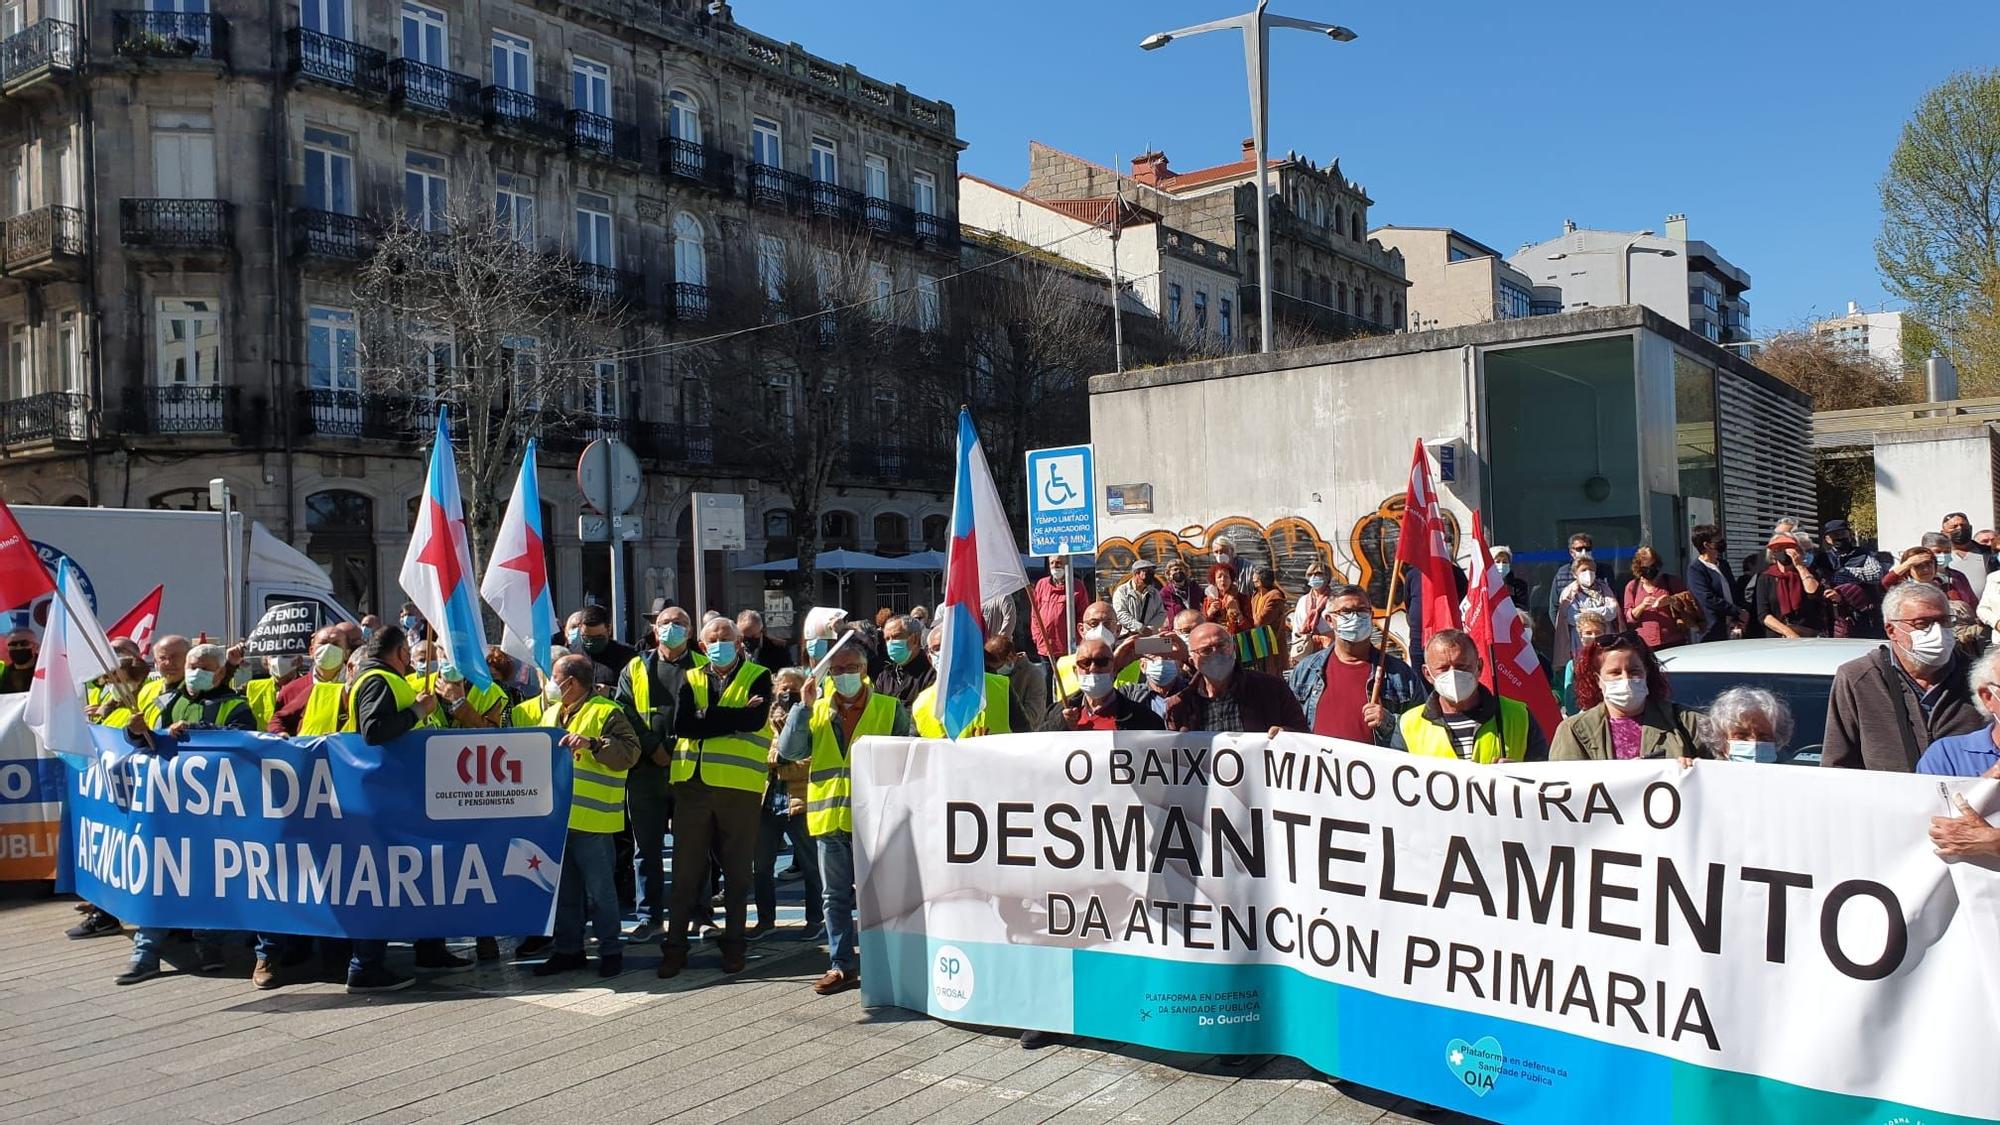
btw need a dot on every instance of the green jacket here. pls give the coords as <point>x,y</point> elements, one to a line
<point>1669,730</point>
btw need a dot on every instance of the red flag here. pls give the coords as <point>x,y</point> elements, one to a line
<point>23,578</point>
<point>1420,545</point>
<point>1511,672</point>
<point>140,622</point>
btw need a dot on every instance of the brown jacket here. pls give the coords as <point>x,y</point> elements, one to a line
<point>1667,730</point>
<point>1874,720</point>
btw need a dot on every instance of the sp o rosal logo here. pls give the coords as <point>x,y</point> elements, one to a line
<point>951,978</point>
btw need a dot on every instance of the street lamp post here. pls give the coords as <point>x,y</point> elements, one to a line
<point>1255,27</point>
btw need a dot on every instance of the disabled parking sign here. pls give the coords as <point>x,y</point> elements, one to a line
<point>1062,515</point>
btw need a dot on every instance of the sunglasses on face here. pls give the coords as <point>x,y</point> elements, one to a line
<point>1093,663</point>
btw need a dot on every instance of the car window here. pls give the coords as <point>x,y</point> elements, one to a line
<point>1805,695</point>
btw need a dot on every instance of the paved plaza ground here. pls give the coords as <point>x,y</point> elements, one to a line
<point>493,1044</point>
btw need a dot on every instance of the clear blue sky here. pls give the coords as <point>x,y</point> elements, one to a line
<point>1769,122</point>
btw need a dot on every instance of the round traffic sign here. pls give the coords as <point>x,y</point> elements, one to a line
<point>613,492</point>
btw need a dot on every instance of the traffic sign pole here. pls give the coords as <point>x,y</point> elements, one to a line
<point>617,548</point>
<point>700,569</point>
<point>1069,602</point>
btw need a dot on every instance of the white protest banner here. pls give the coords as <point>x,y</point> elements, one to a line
<point>1554,942</point>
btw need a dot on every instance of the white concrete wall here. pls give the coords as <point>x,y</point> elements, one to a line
<point>1920,477</point>
<point>983,205</point>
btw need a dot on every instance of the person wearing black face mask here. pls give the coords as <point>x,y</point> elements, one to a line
<point>21,653</point>
<point>1967,557</point>
<point>1855,576</point>
<point>590,635</point>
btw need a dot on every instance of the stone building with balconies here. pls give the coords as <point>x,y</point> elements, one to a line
<point>187,195</point>
<point>1328,278</point>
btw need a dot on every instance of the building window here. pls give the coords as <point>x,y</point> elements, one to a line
<point>1200,313</point>
<point>767,142</point>
<point>590,86</point>
<point>1354,224</point>
<point>425,39</point>
<point>876,173</point>
<point>600,394</point>
<point>929,314</point>
<point>330,350</point>
<point>187,342</point>
<point>683,117</point>
<point>690,254</point>
<point>328,17</point>
<point>1173,305</point>
<point>1339,219</point>
<point>1515,301</point>
<point>881,289</point>
<point>923,193</point>
<point>435,349</point>
<point>183,156</point>
<point>329,171</point>
<point>513,63</point>
<point>1396,313</point>
<point>593,231</point>
<point>1378,309</point>
<point>514,207</point>
<point>20,361</point>
<point>825,161</point>
<point>1340,296</point>
<point>424,191</point>
<point>520,358</point>
<point>1225,322</point>
<point>771,267</point>
<point>69,354</point>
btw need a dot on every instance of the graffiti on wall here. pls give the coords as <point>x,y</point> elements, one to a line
<point>1288,545</point>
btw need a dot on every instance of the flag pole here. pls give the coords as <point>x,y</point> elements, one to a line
<point>125,691</point>
<point>1388,608</point>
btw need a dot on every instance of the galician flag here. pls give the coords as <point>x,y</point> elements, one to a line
<point>983,564</point>
<point>530,862</point>
<point>1511,670</point>
<point>517,576</point>
<point>437,570</point>
<point>74,652</point>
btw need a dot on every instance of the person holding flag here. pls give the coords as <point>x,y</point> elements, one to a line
<point>437,569</point>
<point>1332,684</point>
<point>982,566</point>
<point>1511,668</point>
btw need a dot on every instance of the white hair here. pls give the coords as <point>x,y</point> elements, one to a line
<point>202,654</point>
<point>1738,703</point>
<point>1893,602</point>
<point>1985,673</point>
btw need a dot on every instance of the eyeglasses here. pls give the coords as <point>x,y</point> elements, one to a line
<point>1208,650</point>
<point>1915,623</point>
<point>1093,663</point>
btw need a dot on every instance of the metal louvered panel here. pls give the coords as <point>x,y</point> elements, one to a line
<point>1766,460</point>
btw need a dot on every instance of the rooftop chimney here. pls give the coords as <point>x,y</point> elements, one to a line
<point>1151,168</point>
<point>1569,226</point>
<point>1677,227</point>
<point>1250,149</point>
<point>1853,309</point>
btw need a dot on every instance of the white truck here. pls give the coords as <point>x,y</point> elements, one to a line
<point>119,554</point>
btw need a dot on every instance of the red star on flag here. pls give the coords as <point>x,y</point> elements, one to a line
<point>440,552</point>
<point>529,562</point>
<point>534,863</point>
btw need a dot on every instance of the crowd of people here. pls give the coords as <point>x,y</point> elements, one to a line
<point>723,739</point>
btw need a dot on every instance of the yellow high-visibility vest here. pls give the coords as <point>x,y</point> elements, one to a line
<point>322,708</point>
<point>993,718</point>
<point>406,696</point>
<point>597,792</point>
<point>1508,737</point>
<point>736,761</point>
<point>262,696</point>
<point>829,788</point>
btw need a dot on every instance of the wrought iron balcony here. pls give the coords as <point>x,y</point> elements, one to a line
<point>835,203</point>
<point>48,48</point>
<point>358,414</point>
<point>433,89</point>
<point>525,115</point>
<point>186,408</point>
<point>696,163</point>
<point>688,302</point>
<point>45,242</point>
<point>48,417</point>
<point>607,286</point>
<point>936,231</point>
<point>888,220</point>
<point>772,186</point>
<point>330,235</point>
<point>177,224</point>
<point>318,57</point>
<point>593,134</point>
<point>676,442</point>
<point>171,35</point>
<point>568,431</point>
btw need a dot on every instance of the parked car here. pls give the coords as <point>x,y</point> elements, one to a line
<point>1800,672</point>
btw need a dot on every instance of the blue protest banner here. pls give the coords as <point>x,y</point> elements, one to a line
<point>434,833</point>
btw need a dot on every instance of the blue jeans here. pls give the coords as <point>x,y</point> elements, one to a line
<point>777,828</point>
<point>836,870</point>
<point>589,890</point>
<point>147,940</point>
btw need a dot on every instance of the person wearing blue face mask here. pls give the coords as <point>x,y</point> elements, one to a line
<point>718,771</point>
<point>413,624</point>
<point>908,670</point>
<point>651,687</point>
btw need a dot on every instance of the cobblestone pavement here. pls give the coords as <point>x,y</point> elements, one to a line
<point>493,1044</point>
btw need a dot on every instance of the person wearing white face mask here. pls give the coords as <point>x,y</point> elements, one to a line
<point>1626,713</point>
<point>1307,625</point>
<point>1099,622</point>
<point>1887,706</point>
<point>1333,684</point>
<point>1517,589</point>
<point>1097,704</point>
<point>1462,719</point>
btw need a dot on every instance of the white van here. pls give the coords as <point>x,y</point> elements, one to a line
<point>119,554</point>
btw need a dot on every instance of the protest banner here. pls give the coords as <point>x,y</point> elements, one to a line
<point>286,629</point>
<point>1547,942</point>
<point>445,832</point>
<point>30,799</point>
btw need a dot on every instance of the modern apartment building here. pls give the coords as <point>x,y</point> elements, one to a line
<point>1327,276</point>
<point>1875,334</point>
<point>189,192</point>
<point>1685,280</point>
<point>1456,280</point>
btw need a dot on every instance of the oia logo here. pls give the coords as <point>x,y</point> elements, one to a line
<point>1476,1065</point>
<point>479,764</point>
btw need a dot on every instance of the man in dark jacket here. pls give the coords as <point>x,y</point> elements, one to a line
<point>1097,704</point>
<point>1229,697</point>
<point>651,686</point>
<point>1888,706</point>
<point>1713,584</point>
<point>907,668</point>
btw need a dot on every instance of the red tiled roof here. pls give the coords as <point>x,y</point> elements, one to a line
<point>1098,210</point>
<point>1181,181</point>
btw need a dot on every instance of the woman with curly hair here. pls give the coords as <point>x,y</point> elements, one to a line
<point>1626,710</point>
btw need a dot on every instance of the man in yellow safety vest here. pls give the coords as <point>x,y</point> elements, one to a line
<point>823,729</point>
<point>1001,715</point>
<point>721,761</point>
<point>602,746</point>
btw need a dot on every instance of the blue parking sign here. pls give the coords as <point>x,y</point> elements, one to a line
<point>1062,508</point>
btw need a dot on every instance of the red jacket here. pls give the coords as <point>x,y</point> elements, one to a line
<point>1045,615</point>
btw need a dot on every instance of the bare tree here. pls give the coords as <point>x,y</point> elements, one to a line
<point>513,338</point>
<point>818,356</point>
